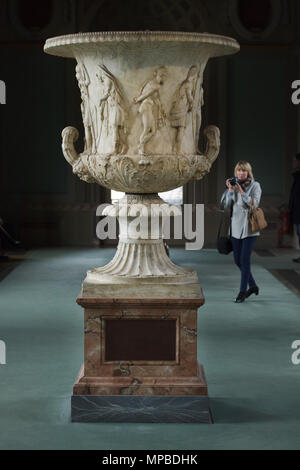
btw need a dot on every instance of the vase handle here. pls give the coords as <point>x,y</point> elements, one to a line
<point>213,142</point>
<point>69,136</point>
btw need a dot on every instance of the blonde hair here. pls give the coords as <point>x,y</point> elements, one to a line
<point>245,166</point>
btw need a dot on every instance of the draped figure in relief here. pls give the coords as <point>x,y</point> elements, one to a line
<point>87,118</point>
<point>182,105</point>
<point>112,113</point>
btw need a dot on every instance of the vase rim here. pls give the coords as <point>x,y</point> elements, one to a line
<point>59,45</point>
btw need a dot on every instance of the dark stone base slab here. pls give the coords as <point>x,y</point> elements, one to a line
<point>140,409</point>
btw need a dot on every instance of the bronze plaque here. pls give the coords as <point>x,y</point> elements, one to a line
<point>140,340</point>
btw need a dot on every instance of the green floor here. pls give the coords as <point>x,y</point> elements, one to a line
<point>246,351</point>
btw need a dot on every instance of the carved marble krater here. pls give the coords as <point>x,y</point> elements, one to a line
<point>142,99</point>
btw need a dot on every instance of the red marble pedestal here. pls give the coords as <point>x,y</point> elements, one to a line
<point>140,347</point>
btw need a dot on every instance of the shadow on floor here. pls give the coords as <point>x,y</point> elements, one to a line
<point>235,410</point>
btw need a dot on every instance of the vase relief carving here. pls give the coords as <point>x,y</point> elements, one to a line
<point>112,115</point>
<point>86,109</point>
<point>186,109</point>
<point>151,110</point>
<point>142,101</point>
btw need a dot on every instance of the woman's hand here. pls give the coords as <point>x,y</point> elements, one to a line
<point>231,188</point>
<point>239,189</point>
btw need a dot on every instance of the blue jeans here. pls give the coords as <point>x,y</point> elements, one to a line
<point>242,250</point>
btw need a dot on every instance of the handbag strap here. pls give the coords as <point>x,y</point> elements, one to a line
<point>252,206</point>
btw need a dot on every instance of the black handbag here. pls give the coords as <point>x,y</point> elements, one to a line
<point>224,243</point>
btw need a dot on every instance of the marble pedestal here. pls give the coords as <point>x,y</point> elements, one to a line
<point>140,362</point>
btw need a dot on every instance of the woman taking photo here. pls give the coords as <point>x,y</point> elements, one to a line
<point>240,195</point>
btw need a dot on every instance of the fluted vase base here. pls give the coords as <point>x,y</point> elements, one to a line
<point>141,267</point>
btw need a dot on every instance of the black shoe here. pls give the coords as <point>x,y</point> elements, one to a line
<point>240,298</point>
<point>296,260</point>
<point>252,290</point>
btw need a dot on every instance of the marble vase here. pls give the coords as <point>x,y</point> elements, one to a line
<point>142,98</point>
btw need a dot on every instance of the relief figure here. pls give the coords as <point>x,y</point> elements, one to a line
<point>112,113</point>
<point>182,106</point>
<point>151,110</point>
<point>83,83</point>
<point>198,103</point>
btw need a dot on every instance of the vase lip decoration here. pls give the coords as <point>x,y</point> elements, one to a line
<point>55,45</point>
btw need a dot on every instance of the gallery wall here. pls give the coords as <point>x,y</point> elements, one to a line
<point>247,96</point>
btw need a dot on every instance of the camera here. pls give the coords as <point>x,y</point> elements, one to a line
<point>233,181</point>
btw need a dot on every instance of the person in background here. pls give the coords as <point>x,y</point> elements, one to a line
<point>6,239</point>
<point>3,256</point>
<point>294,203</point>
<point>238,198</point>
